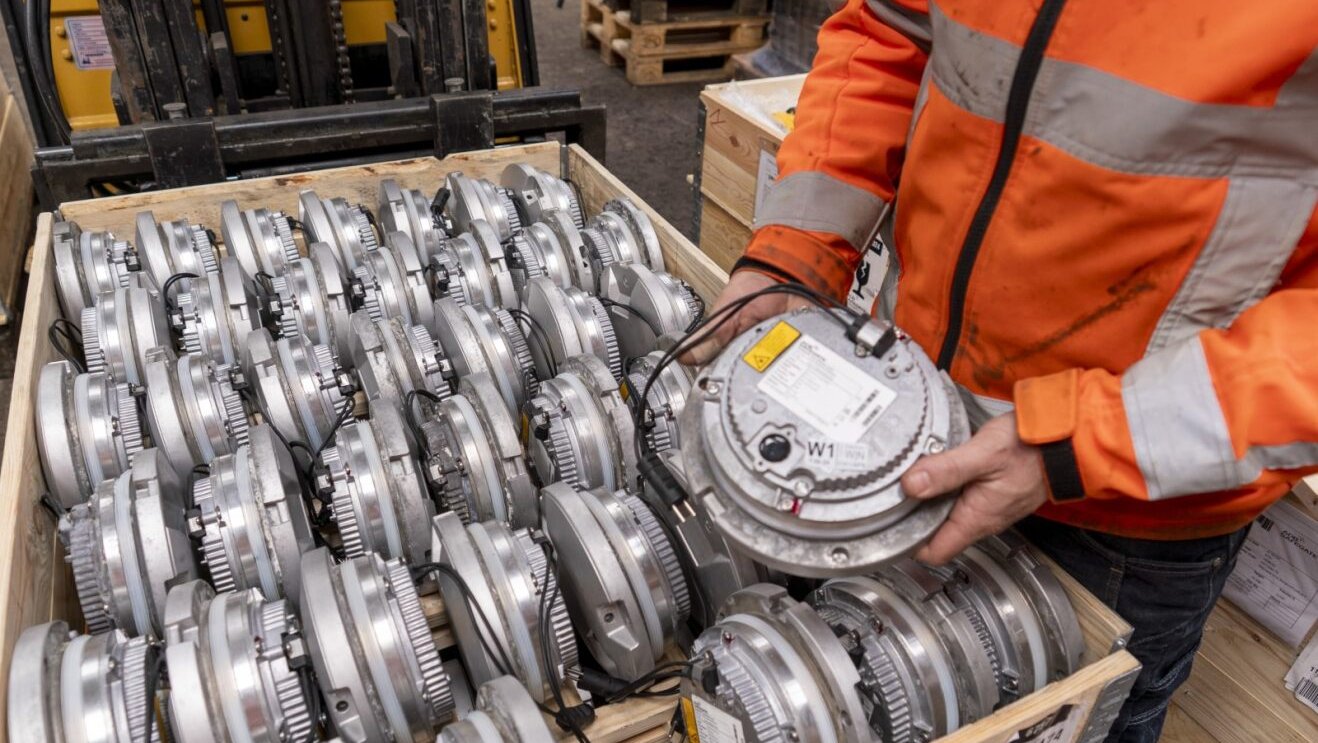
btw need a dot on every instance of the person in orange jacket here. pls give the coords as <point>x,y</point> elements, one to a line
<point>1104,229</point>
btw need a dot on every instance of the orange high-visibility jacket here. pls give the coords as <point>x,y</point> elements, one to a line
<point>1104,214</point>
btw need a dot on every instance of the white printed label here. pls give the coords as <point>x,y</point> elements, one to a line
<point>835,455</point>
<point>1276,575</point>
<point>713,725</point>
<point>1059,727</point>
<point>869,277</point>
<point>825,390</point>
<point>1302,678</point>
<point>88,43</point>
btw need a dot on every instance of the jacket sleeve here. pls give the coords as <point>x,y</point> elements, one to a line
<point>839,168</point>
<point>1224,409</point>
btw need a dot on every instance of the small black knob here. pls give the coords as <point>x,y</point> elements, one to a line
<point>775,447</point>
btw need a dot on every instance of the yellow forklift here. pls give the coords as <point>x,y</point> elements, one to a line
<point>134,94</point>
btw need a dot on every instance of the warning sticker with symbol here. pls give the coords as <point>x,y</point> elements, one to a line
<point>771,346</point>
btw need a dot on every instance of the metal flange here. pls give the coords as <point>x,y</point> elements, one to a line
<point>173,248</point>
<point>88,264</point>
<point>1025,609</point>
<point>377,490</point>
<point>394,284</point>
<point>578,430</point>
<point>216,313</point>
<point>646,305</point>
<point>121,327</point>
<point>313,301</point>
<point>261,239</point>
<point>534,192</point>
<point>251,521</point>
<point>475,199</point>
<point>375,659</point>
<point>65,686</point>
<point>479,340</point>
<point>393,359</point>
<point>621,234</point>
<point>622,581</point>
<point>580,268</point>
<point>476,464</point>
<point>88,430</point>
<point>407,210</point>
<point>960,634</point>
<point>235,664</point>
<point>504,713</point>
<point>907,681</point>
<point>797,437</point>
<point>506,575</point>
<point>194,412</point>
<point>537,251</point>
<point>300,387</point>
<point>781,673</point>
<point>567,323</point>
<point>714,570</point>
<point>665,401</point>
<point>347,229</point>
<point>127,545</point>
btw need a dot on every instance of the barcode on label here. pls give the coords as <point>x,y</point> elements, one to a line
<point>1265,522</point>
<point>1307,690</point>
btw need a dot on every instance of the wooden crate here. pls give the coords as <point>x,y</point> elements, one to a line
<point>699,50</point>
<point>739,141</point>
<point>16,148</point>
<point>36,586</point>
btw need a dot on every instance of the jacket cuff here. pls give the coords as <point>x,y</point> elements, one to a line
<point>1046,417</point>
<point>821,261</point>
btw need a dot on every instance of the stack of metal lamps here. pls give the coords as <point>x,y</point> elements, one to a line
<point>269,461</point>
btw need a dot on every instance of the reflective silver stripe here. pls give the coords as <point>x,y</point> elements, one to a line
<point>1182,443</point>
<point>909,23</point>
<point>980,409</point>
<point>1124,126</point>
<point>810,200</point>
<point>1257,230</point>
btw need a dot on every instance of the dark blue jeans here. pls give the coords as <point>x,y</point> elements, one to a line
<point>1165,590</point>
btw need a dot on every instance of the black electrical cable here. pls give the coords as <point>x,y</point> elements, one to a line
<point>37,30</point>
<point>63,331</point>
<point>710,324</point>
<point>535,332</point>
<point>502,660</point>
<point>169,283</point>
<point>568,718</point>
<point>410,408</point>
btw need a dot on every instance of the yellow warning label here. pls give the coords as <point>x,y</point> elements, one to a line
<point>689,715</point>
<point>771,346</point>
<point>526,429</point>
<point>625,389</point>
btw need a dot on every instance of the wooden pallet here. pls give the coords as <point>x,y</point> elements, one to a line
<point>673,52</point>
<point>661,11</point>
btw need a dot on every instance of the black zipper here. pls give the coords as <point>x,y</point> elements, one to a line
<point>1018,103</point>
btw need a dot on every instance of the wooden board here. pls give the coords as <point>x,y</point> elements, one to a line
<point>36,584</point>
<point>660,11</point>
<point>16,197</point>
<point>723,237</point>
<point>1236,692</point>
<point>711,36</point>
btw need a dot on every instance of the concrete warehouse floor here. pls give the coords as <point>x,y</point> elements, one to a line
<point>651,135</point>
<point>651,131</point>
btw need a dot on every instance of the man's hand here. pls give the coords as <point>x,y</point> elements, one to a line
<point>739,285</point>
<point>1002,482</point>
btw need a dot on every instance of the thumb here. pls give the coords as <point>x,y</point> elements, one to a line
<point>935,474</point>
